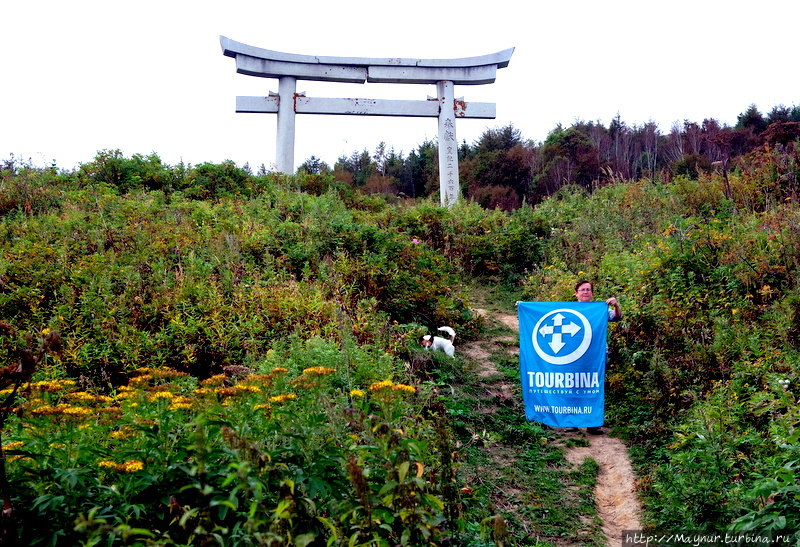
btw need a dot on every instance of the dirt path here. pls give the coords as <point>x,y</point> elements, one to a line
<point>617,504</point>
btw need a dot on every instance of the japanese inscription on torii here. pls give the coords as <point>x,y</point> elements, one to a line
<point>444,73</point>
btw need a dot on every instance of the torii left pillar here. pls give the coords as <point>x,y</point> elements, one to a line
<point>444,73</point>
<point>287,89</point>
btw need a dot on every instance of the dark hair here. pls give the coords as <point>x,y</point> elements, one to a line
<point>583,282</point>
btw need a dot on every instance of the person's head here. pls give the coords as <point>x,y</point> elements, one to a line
<point>584,291</point>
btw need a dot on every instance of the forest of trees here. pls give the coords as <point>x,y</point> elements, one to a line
<point>503,169</point>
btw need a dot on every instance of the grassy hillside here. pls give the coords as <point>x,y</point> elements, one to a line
<point>237,358</point>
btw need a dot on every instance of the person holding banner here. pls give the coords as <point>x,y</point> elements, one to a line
<point>563,359</point>
<point>584,292</point>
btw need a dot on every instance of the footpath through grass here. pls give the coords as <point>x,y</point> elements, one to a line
<point>514,472</point>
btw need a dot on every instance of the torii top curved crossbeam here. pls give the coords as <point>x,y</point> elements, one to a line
<point>265,63</point>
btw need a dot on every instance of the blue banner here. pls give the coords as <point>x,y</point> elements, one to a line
<point>563,362</point>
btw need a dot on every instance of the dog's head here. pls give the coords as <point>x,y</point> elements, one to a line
<point>427,341</point>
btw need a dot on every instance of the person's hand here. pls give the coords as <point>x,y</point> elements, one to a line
<point>612,301</point>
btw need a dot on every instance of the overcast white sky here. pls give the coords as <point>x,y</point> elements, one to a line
<point>149,76</point>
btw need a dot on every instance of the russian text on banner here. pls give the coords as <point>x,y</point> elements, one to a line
<point>563,362</point>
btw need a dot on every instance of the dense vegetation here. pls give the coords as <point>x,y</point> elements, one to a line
<point>201,355</point>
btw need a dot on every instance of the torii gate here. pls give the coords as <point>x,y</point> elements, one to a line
<point>444,73</point>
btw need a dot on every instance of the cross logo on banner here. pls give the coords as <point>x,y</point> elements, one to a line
<point>562,336</point>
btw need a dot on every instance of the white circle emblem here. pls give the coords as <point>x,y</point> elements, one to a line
<point>562,330</point>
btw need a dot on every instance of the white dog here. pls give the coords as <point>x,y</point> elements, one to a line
<point>437,343</point>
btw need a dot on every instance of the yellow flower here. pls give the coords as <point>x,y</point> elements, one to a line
<point>76,411</point>
<point>247,389</point>
<point>107,463</point>
<point>13,445</point>
<point>43,410</point>
<point>319,371</point>
<point>180,406</point>
<point>140,381</point>
<point>161,395</point>
<point>282,398</point>
<point>131,466</point>
<point>380,386</point>
<point>404,387</point>
<point>261,407</point>
<point>356,393</point>
<point>278,370</point>
<point>53,386</point>
<point>216,380</point>
<point>81,396</point>
<point>257,378</point>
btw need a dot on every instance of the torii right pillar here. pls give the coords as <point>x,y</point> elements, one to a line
<point>449,188</point>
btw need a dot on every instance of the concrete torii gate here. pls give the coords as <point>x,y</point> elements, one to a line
<point>444,73</point>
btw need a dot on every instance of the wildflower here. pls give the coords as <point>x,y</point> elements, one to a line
<point>140,381</point>
<point>107,463</point>
<point>216,380</point>
<point>247,389</point>
<point>131,466</point>
<point>380,386</point>
<point>180,406</point>
<point>261,407</point>
<point>166,372</point>
<point>415,241</point>
<point>319,371</point>
<point>13,445</point>
<point>279,370</point>
<point>52,386</point>
<point>81,396</point>
<point>356,393</point>
<point>44,410</point>
<point>225,391</point>
<point>120,434</point>
<point>282,398</point>
<point>127,395</point>
<point>58,446</point>
<point>161,395</point>
<point>76,411</point>
<point>257,378</point>
<point>202,391</point>
<point>404,387</point>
